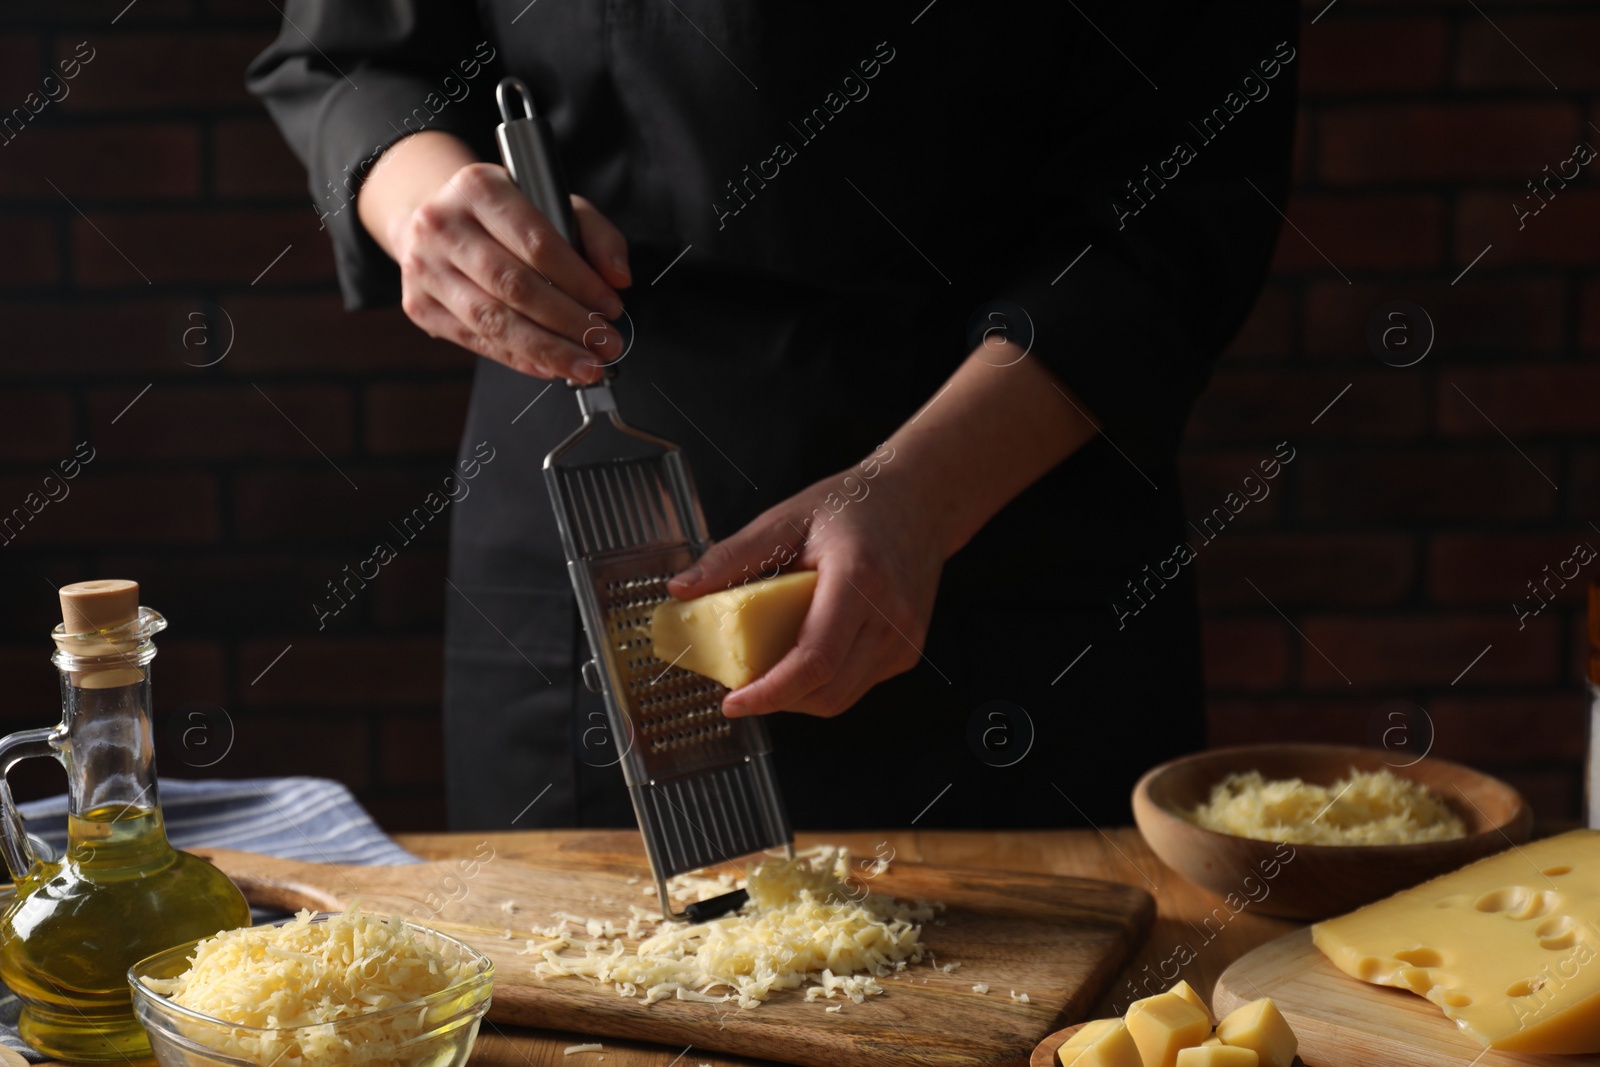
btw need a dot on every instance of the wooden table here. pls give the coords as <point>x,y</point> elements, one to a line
<point>1181,930</point>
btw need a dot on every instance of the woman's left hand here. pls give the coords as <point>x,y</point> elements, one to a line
<point>879,533</point>
<point>878,557</point>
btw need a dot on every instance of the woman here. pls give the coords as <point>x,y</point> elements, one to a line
<point>989,256</point>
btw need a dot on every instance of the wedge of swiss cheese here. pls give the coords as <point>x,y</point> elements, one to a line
<point>734,635</point>
<point>1507,947</point>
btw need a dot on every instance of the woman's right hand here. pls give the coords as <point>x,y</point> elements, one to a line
<point>482,267</point>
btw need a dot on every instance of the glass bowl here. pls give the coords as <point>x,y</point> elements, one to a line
<point>433,1031</point>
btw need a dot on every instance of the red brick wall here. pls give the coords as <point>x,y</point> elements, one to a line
<point>222,489</point>
<point>1407,524</point>
<point>1396,540</point>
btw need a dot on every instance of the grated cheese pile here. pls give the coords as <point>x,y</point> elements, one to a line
<point>801,927</point>
<point>1367,808</point>
<point>304,974</point>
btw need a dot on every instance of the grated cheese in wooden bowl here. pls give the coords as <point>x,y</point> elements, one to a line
<point>803,926</point>
<point>1367,808</point>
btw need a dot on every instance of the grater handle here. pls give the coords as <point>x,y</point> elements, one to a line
<point>528,149</point>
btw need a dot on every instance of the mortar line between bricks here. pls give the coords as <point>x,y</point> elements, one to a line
<point>273,664</point>
<point>101,232</point>
<point>1299,631</point>
<point>1502,433</point>
<point>302,433</point>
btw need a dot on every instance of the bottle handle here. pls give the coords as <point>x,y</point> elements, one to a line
<point>14,748</point>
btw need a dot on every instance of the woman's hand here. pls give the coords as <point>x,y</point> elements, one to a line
<point>481,266</point>
<point>878,534</point>
<point>878,565</point>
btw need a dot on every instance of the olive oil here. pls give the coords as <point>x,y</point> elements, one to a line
<point>120,892</point>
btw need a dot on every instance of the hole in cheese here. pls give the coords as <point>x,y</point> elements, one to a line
<point>1524,987</point>
<point>1560,942</point>
<point>1518,902</point>
<point>1558,933</point>
<point>1556,872</point>
<point>1457,1000</point>
<point>1416,979</point>
<point>1419,957</point>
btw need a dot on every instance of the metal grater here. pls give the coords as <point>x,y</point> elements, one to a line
<point>702,784</point>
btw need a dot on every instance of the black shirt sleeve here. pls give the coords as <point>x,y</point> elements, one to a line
<point>346,79</point>
<point>1174,189</point>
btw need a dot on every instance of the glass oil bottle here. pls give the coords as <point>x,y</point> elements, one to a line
<point>121,891</point>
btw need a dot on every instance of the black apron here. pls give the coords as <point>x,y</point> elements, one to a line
<point>775,396</point>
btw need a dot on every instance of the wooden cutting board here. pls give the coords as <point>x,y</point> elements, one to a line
<point>1341,1021</point>
<point>1057,939</point>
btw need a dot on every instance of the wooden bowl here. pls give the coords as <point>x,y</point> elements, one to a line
<point>1044,1053</point>
<point>1315,881</point>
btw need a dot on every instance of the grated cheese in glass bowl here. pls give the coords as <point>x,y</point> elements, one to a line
<point>336,990</point>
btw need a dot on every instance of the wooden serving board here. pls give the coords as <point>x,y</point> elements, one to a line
<point>1341,1021</point>
<point>1058,939</point>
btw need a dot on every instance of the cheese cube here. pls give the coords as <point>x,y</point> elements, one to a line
<point>1182,989</point>
<point>736,635</point>
<point>1218,1056</point>
<point>1261,1027</point>
<point>1505,946</point>
<point>1102,1043</point>
<point>1164,1024</point>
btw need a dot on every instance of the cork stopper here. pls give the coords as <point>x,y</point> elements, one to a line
<point>98,605</point>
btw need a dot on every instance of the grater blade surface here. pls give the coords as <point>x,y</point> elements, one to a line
<point>702,784</point>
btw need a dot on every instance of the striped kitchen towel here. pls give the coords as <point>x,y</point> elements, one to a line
<point>311,819</point>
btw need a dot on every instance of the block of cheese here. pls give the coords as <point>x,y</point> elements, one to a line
<point>1102,1043</point>
<point>1164,1024</point>
<point>1260,1027</point>
<point>1218,1055</point>
<point>1502,946</point>
<point>735,635</point>
<point>1180,988</point>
